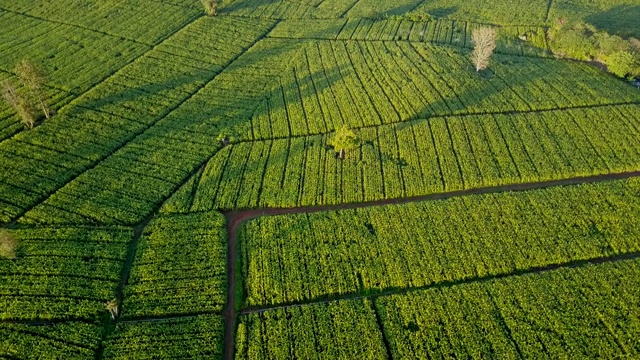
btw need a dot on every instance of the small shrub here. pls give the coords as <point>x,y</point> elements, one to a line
<point>210,7</point>
<point>344,139</point>
<point>8,245</point>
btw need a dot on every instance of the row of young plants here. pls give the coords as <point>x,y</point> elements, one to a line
<point>73,340</point>
<point>292,258</point>
<point>143,21</point>
<point>340,83</point>
<point>179,267</point>
<point>586,312</point>
<point>62,273</point>
<point>112,114</point>
<point>418,158</point>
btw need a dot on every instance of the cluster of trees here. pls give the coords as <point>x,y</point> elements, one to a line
<point>583,41</point>
<point>28,103</point>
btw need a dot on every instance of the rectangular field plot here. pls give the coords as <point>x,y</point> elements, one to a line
<point>191,337</point>
<point>422,157</point>
<point>292,258</point>
<point>338,330</point>
<point>62,273</point>
<point>60,341</point>
<point>590,312</point>
<point>362,83</point>
<point>179,268</point>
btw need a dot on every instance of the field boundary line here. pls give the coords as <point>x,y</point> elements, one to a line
<point>447,284</point>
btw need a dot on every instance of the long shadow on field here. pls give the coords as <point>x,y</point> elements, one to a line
<point>622,20</point>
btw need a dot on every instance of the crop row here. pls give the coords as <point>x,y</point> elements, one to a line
<point>365,83</point>
<point>60,341</point>
<point>421,157</point>
<point>294,258</point>
<point>62,272</point>
<point>143,21</point>
<point>180,267</point>
<point>589,312</point>
<point>110,115</point>
<point>447,32</point>
<point>193,338</point>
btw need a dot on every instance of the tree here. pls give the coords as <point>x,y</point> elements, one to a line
<point>8,245</point>
<point>210,7</point>
<point>34,81</point>
<point>484,39</point>
<point>114,308</point>
<point>344,139</point>
<point>25,110</point>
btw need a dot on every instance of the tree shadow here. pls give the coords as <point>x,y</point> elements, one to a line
<point>623,20</point>
<point>443,12</point>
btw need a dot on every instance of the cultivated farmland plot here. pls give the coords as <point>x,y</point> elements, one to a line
<point>188,198</point>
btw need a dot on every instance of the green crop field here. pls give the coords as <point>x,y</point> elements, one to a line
<point>319,179</point>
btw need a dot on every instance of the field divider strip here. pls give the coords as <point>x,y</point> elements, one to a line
<point>446,284</point>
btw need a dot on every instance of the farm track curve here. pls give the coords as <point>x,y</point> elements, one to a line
<point>236,218</point>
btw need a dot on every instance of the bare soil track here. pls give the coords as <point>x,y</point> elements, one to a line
<point>236,218</point>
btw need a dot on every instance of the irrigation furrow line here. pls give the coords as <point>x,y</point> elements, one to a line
<point>446,284</point>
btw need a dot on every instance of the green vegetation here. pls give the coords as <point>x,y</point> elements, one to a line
<point>418,158</point>
<point>194,337</point>
<point>8,245</point>
<point>290,258</point>
<point>585,312</point>
<point>338,330</point>
<point>344,139</point>
<point>210,7</point>
<point>584,42</point>
<point>71,340</point>
<point>62,273</point>
<point>140,221</point>
<point>179,267</point>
